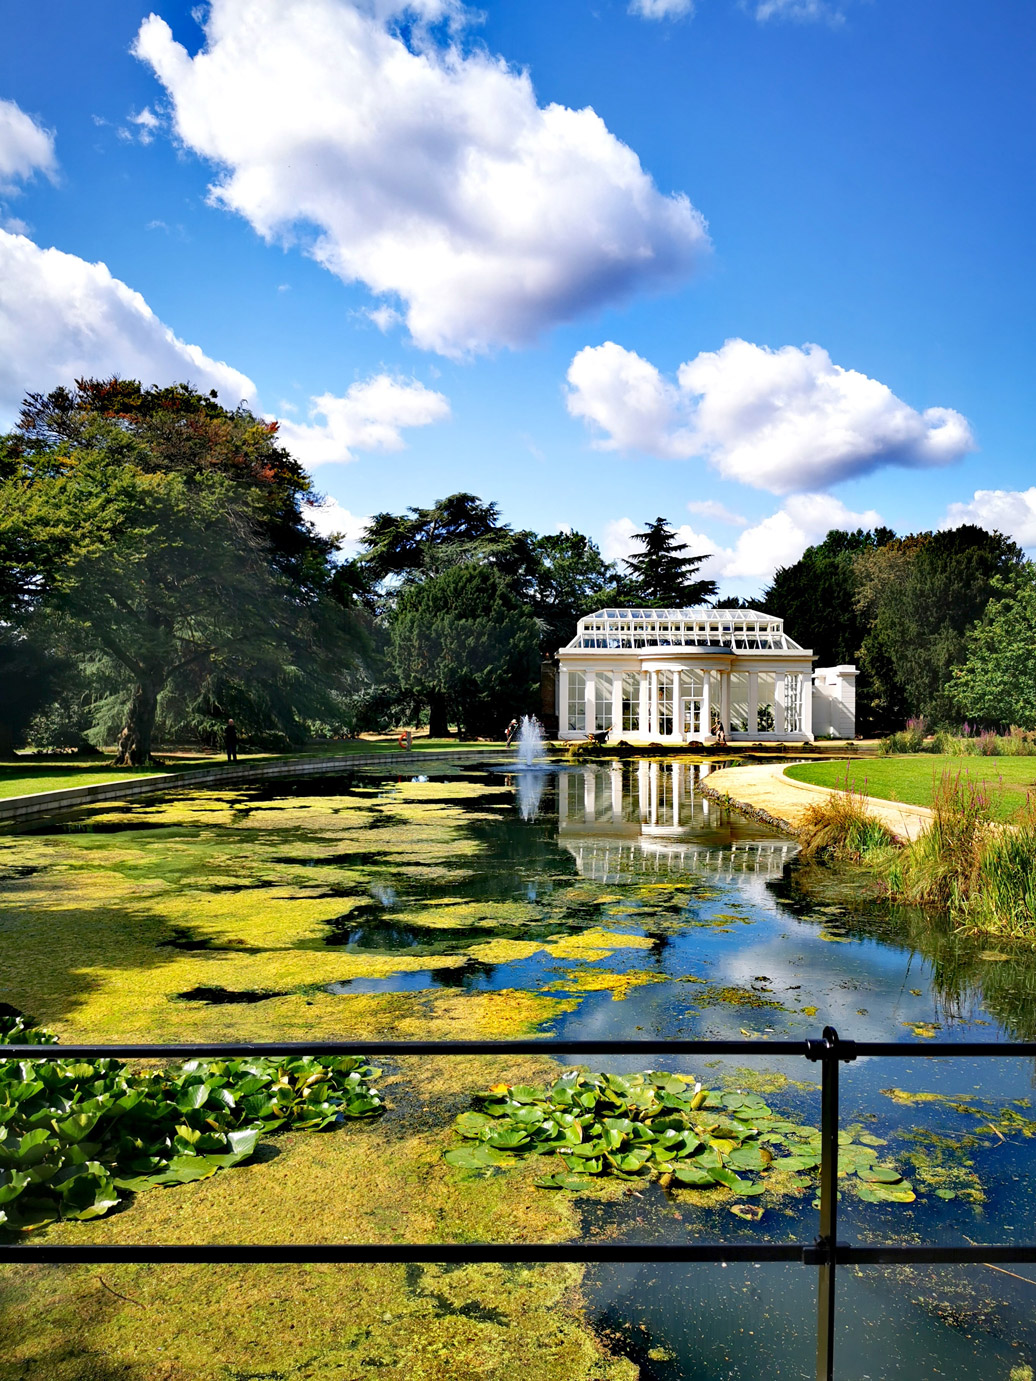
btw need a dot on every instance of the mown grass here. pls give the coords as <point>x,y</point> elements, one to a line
<point>915,778</point>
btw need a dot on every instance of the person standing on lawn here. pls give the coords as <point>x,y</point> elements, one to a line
<point>230,740</point>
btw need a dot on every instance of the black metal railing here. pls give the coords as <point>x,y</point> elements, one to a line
<point>825,1252</point>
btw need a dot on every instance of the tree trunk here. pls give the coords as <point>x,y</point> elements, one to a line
<point>438,726</point>
<point>141,723</point>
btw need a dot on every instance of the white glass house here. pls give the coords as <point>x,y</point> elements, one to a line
<point>678,675</point>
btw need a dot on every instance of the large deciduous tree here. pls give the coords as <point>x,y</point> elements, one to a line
<point>816,596</point>
<point>463,643</point>
<point>817,599</point>
<point>163,539</point>
<point>919,596</point>
<point>571,579</point>
<point>996,684</point>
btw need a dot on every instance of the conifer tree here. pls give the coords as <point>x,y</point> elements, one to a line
<point>661,574</point>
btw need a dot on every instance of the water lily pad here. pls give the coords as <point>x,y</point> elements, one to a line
<point>750,1212</point>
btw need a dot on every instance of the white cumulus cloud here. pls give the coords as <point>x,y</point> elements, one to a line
<point>1010,511</point>
<point>25,147</point>
<point>429,172</point>
<point>62,318</point>
<point>777,540</point>
<point>331,519</point>
<point>783,420</point>
<point>709,508</point>
<point>662,9</point>
<point>802,11</point>
<point>369,416</point>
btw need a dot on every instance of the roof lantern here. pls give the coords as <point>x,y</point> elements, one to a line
<point>741,630</point>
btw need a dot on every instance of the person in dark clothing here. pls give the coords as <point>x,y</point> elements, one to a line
<point>230,740</point>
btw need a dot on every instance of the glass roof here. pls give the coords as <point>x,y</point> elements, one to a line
<point>737,629</point>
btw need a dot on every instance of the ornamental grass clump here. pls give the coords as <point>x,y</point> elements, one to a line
<point>942,866</point>
<point>78,1136</point>
<point>842,828</point>
<point>666,1127</point>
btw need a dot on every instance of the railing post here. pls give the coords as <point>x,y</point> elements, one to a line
<point>827,1051</point>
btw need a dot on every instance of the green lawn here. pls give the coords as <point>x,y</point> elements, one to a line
<point>24,777</point>
<point>913,778</point>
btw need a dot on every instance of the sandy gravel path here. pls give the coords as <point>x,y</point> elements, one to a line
<point>765,790</point>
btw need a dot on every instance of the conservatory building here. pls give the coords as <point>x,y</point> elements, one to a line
<point>679,675</point>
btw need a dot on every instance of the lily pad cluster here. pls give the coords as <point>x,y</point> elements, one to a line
<point>665,1127</point>
<point>78,1136</point>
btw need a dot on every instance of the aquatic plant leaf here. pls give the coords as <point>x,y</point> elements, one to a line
<point>688,1173</point>
<point>750,1212</point>
<point>510,1140</point>
<point>472,1124</point>
<point>570,1182</point>
<point>12,1182</point>
<point>729,1179</point>
<point>879,1174</point>
<point>751,1157</point>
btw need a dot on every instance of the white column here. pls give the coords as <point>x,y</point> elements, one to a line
<point>643,789</point>
<point>706,706</point>
<point>617,703</point>
<point>653,703</point>
<point>678,771</point>
<point>753,702</point>
<point>779,686</point>
<point>806,712</point>
<point>563,700</point>
<point>589,796</point>
<point>644,705</point>
<point>677,704</point>
<point>724,701</point>
<point>590,701</point>
<point>653,779</point>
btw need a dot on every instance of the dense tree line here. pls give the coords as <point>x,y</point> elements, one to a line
<point>927,618</point>
<point>160,572</point>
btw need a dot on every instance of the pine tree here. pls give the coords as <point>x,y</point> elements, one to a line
<point>661,575</point>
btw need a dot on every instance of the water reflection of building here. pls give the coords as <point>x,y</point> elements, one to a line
<point>649,817</point>
<point>615,860</point>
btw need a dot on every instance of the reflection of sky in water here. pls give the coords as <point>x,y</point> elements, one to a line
<point>625,825</point>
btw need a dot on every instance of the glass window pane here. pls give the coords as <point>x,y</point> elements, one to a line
<point>577,700</point>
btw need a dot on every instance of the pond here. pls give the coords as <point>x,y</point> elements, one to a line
<point>609,900</point>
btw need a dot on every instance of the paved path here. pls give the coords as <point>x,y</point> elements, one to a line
<point>765,790</point>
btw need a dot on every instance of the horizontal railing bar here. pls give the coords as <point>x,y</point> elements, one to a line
<point>894,1255</point>
<point>531,1254</point>
<point>943,1048</point>
<point>599,1253</point>
<point>381,1049</point>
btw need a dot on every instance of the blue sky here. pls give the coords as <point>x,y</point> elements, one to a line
<point>520,195</point>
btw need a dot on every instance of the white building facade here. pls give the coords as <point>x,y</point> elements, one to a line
<point>679,675</point>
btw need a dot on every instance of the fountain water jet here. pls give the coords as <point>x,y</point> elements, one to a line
<point>530,741</point>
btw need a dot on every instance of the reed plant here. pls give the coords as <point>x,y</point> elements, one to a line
<point>977,869</point>
<point>841,828</point>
